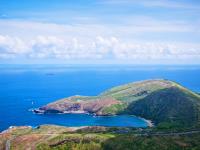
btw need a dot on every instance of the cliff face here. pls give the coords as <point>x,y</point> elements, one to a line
<point>162,101</point>
<point>78,104</point>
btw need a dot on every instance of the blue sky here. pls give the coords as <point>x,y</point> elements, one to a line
<point>100,31</point>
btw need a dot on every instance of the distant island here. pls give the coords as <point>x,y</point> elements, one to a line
<point>165,102</point>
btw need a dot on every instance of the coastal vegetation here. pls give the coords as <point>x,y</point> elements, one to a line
<point>49,137</point>
<point>166,103</point>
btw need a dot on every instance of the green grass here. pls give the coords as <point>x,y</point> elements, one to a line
<point>131,142</point>
<point>131,92</point>
<point>171,105</point>
<point>100,138</point>
<point>83,141</point>
<point>114,109</point>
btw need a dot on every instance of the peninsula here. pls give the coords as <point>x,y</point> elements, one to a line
<point>166,103</point>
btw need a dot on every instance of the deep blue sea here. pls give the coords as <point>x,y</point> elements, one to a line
<point>23,87</point>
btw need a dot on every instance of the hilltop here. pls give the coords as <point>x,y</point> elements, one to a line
<point>165,102</point>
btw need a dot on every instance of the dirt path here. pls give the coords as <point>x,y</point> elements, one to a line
<point>8,143</point>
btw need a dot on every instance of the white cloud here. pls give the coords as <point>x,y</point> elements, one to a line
<point>101,48</point>
<point>37,40</point>
<point>12,45</point>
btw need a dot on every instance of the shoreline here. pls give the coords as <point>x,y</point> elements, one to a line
<point>38,111</point>
<point>150,123</point>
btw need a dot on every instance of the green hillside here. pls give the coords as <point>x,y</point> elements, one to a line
<point>166,103</point>
<point>137,90</point>
<point>95,138</point>
<point>171,106</point>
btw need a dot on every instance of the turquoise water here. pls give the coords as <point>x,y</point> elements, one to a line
<point>23,87</point>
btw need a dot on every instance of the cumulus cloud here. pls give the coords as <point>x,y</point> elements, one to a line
<point>12,46</point>
<point>100,48</point>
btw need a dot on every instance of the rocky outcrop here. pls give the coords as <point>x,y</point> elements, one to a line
<point>67,105</point>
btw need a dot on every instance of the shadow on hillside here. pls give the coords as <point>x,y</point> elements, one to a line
<point>130,142</point>
<point>171,105</point>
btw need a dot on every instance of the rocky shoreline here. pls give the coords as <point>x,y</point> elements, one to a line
<point>38,111</point>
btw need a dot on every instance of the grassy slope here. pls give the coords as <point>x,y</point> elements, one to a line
<point>164,102</point>
<point>171,107</point>
<point>96,138</point>
<point>132,92</point>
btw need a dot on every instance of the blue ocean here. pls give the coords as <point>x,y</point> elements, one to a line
<point>24,87</point>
